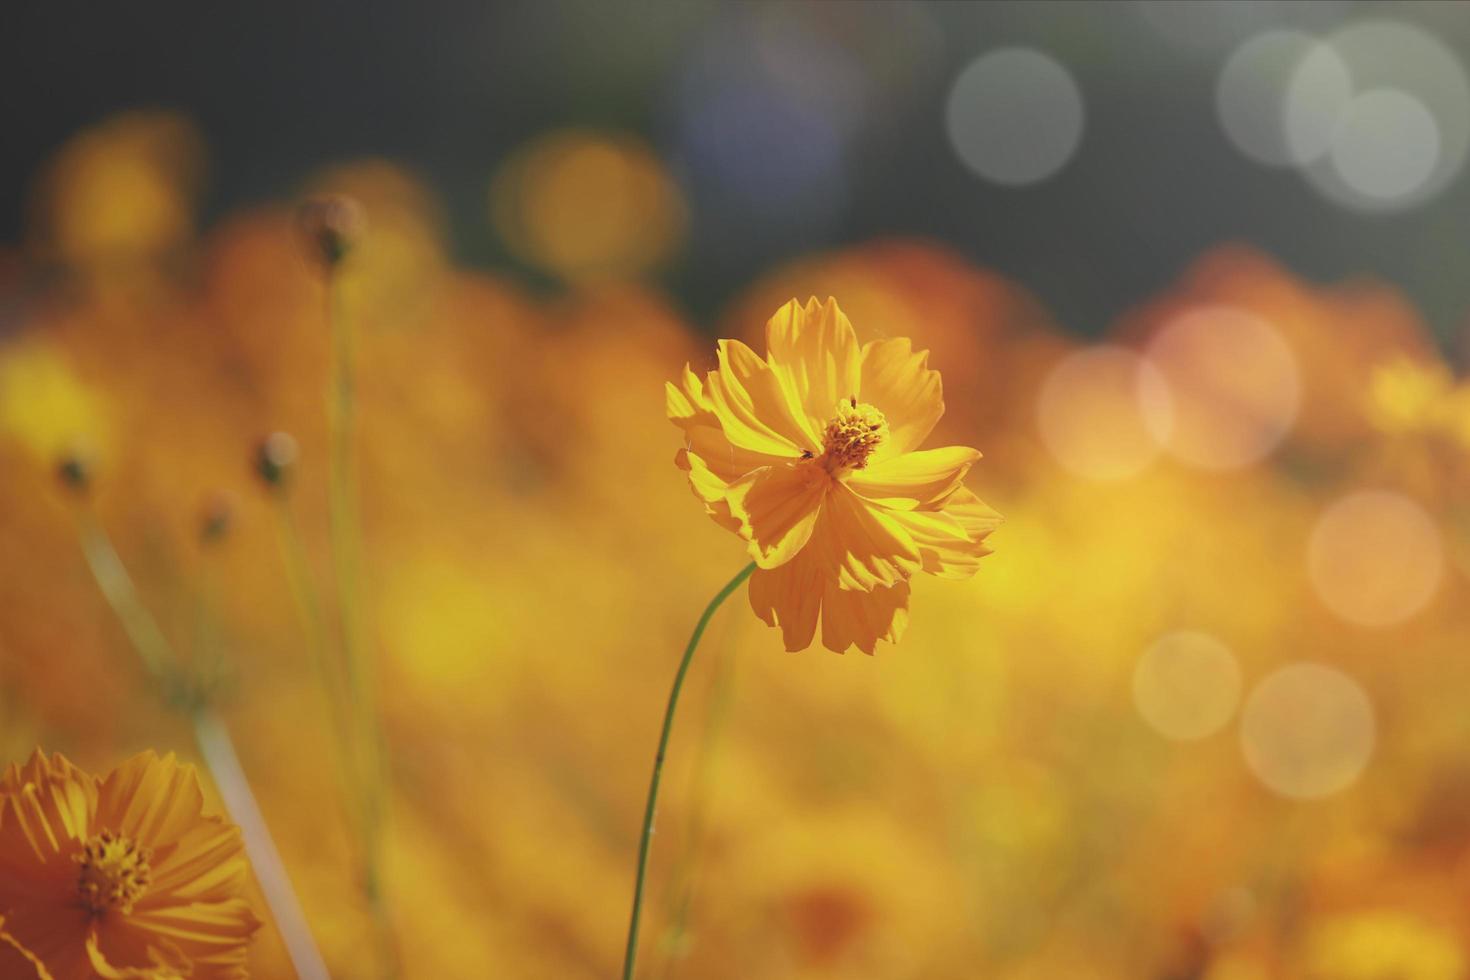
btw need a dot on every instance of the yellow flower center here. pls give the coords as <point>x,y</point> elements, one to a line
<point>114,872</point>
<point>851,436</point>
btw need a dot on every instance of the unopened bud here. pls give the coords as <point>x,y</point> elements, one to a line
<point>275,459</point>
<point>217,517</point>
<point>74,470</point>
<point>330,226</point>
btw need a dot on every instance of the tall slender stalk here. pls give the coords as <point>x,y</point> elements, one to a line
<point>318,641</point>
<point>683,878</point>
<point>345,534</point>
<point>645,841</point>
<point>215,746</point>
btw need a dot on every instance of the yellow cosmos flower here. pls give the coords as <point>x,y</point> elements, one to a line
<point>120,876</point>
<point>812,456</point>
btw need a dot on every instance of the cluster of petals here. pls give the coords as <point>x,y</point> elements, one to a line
<point>812,456</point>
<point>121,876</point>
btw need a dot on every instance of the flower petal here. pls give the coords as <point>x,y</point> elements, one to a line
<point>690,408</point>
<point>899,383</point>
<point>212,938</point>
<point>795,595</point>
<point>757,407</point>
<point>709,488</point>
<point>789,597</point>
<point>951,538</point>
<point>19,962</point>
<point>815,349</point>
<point>861,619</point>
<point>861,546</point>
<point>777,507</point>
<point>154,801</point>
<point>914,479</point>
<point>51,931</point>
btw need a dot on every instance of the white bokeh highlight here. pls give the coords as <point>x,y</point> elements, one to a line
<point>1403,135</point>
<point>1187,685</point>
<point>1261,88</point>
<point>1307,731</point>
<point>1234,386</point>
<point>1375,558</point>
<point>1375,115</point>
<point>1014,116</point>
<point>1102,412</point>
<point>1386,146</point>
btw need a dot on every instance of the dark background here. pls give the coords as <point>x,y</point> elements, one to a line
<point>448,89</point>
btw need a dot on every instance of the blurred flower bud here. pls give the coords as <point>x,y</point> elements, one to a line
<point>217,517</point>
<point>330,225</point>
<point>275,460</point>
<point>74,470</point>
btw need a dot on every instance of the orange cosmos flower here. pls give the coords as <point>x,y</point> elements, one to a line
<point>121,876</point>
<point>812,456</point>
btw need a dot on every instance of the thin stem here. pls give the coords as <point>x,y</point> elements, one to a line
<point>345,532</point>
<point>215,747</point>
<point>218,750</point>
<point>314,625</point>
<point>686,871</point>
<point>313,621</point>
<point>645,841</point>
<point>118,589</point>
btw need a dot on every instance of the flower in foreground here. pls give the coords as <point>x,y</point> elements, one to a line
<point>812,456</point>
<point>118,876</point>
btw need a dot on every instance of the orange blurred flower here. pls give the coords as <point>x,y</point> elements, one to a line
<point>120,876</point>
<point>812,456</point>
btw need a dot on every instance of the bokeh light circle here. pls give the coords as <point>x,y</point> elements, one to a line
<point>1404,134</point>
<point>1186,686</point>
<point>1272,110</point>
<point>1233,383</point>
<point>1375,558</point>
<point>1316,93</point>
<point>1386,145</point>
<point>1307,731</point>
<point>1014,116</point>
<point>587,205</point>
<point>1102,411</point>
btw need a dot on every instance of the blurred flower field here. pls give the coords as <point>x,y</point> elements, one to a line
<point>1201,716</point>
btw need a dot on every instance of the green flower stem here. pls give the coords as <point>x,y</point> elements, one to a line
<point>344,532</point>
<point>685,873</point>
<point>215,746</point>
<point>318,640</point>
<point>645,841</point>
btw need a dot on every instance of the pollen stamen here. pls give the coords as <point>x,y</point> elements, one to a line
<point>114,872</point>
<point>855,431</point>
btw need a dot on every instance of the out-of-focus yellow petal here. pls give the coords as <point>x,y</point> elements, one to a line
<point>815,349</point>
<point>19,962</point>
<point>914,479</point>
<point>150,799</point>
<point>162,882</point>
<point>897,380</point>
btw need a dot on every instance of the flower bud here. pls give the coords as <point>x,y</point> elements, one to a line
<point>330,226</point>
<point>275,459</point>
<point>217,517</point>
<point>74,470</point>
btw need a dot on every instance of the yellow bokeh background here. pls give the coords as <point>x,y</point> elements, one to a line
<point>1002,795</point>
